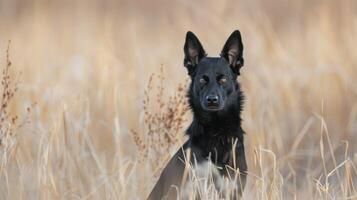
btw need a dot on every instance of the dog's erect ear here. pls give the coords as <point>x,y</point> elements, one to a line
<point>233,51</point>
<point>194,52</point>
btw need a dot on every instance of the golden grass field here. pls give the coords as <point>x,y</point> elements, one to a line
<point>85,122</point>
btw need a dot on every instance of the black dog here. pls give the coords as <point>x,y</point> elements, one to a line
<point>215,134</point>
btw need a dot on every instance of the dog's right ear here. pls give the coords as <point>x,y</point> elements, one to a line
<point>233,51</point>
<point>194,52</point>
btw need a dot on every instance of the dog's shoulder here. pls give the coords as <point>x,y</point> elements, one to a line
<point>172,176</point>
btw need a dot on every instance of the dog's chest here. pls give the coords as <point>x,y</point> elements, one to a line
<point>203,176</point>
<point>218,149</point>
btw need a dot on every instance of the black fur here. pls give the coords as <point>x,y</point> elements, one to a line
<point>216,101</point>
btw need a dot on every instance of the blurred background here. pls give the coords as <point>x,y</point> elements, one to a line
<point>85,66</point>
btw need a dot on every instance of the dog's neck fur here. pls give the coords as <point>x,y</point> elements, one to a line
<point>216,131</point>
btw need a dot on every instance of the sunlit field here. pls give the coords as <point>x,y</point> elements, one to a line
<point>93,95</point>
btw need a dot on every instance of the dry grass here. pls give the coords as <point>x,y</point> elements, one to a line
<point>96,130</point>
<point>163,120</point>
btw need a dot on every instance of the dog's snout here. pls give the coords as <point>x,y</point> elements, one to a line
<point>212,99</point>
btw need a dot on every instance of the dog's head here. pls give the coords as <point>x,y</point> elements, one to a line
<point>213,79</point>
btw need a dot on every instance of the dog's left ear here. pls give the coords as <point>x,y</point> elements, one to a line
<point>233,51</point>
<point>194,52</point>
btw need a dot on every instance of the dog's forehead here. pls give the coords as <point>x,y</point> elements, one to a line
<point>216,64</point>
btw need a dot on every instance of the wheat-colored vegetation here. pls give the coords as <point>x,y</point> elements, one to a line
<point>93,95</point>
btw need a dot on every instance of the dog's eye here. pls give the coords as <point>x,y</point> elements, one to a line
<point>222,80</point>
<point>203,81</point>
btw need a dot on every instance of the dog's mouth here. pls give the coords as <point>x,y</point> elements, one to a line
<point>213,107</point>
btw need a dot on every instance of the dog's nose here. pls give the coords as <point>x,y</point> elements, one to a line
<point>212,99</point>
